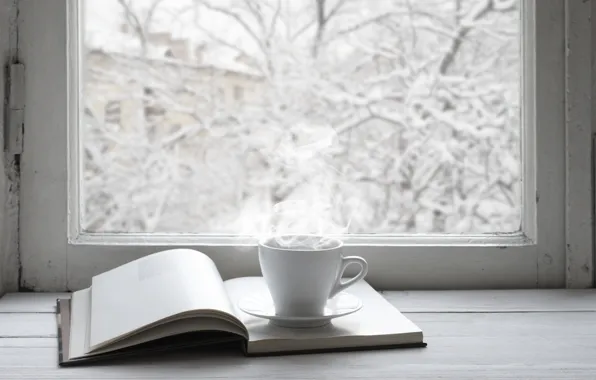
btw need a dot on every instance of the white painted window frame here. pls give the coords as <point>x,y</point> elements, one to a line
<point>554,249</point>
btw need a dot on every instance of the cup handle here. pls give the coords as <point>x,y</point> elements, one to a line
<point>346,261</point>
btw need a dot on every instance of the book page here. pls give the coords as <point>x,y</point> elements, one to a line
<point>80,311</point>
<point>178,327</point>
<point>79,329</point>
<point>151,289</point>
<point>378,323</point>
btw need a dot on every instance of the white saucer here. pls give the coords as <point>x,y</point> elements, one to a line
<point>261,305</point>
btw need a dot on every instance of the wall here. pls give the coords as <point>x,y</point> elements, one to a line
<point>9,260</point>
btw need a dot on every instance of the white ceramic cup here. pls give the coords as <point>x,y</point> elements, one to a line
<point>300,279</point>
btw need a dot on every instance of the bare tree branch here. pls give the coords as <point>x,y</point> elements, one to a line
<point>242,23</point>
<point>464,26</point>
<point>136,24</point>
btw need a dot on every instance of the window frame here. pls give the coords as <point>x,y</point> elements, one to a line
<point>57,256</point>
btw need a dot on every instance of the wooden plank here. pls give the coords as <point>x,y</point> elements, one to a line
<point>14,325</point>
<point>527,357</point>
<point>529,300</point>
<point>461,345</point>
<point>445,361</point>
<point>442,351</point>
<point>206,370</point>
<point>9,173</point>
<point>579,183</point>
<point>420,301</point>
<point>486,267</point>
<point>29,343</point>
<point>30,302</point>
<point>548,157</point>
<point>560,325</point>
<point>44,243</point>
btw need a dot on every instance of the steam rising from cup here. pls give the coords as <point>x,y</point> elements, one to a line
<point>303,225</point>
<point>305,218</point>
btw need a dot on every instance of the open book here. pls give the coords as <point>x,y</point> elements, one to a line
<point>177,298</point>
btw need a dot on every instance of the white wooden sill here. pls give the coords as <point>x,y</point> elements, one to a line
<point>516,334</point>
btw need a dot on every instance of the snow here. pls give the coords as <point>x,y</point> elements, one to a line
<point>351,129</point>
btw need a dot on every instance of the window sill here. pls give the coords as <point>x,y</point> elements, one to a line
<point>480,333</point>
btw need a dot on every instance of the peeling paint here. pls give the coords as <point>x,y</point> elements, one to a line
<point>10,262</point>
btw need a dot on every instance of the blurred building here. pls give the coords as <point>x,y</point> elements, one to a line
<point>163,83</point>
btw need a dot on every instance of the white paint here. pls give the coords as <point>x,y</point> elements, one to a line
<point>416,301</point>
<point>13,138</point>
<point>548,134</point>
<point>579,170</point>
<point>14,325</point>
<point>56,256</point>
<point>489,345</point>
<point>9,241</point>
<point>30,302</point>
<point>486,301</point>
<point>43,211</point>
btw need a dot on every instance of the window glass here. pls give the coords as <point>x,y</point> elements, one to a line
<point>351,116</point>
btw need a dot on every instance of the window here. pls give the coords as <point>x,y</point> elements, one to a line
<point>445,161</point>
<point>446,146</point>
